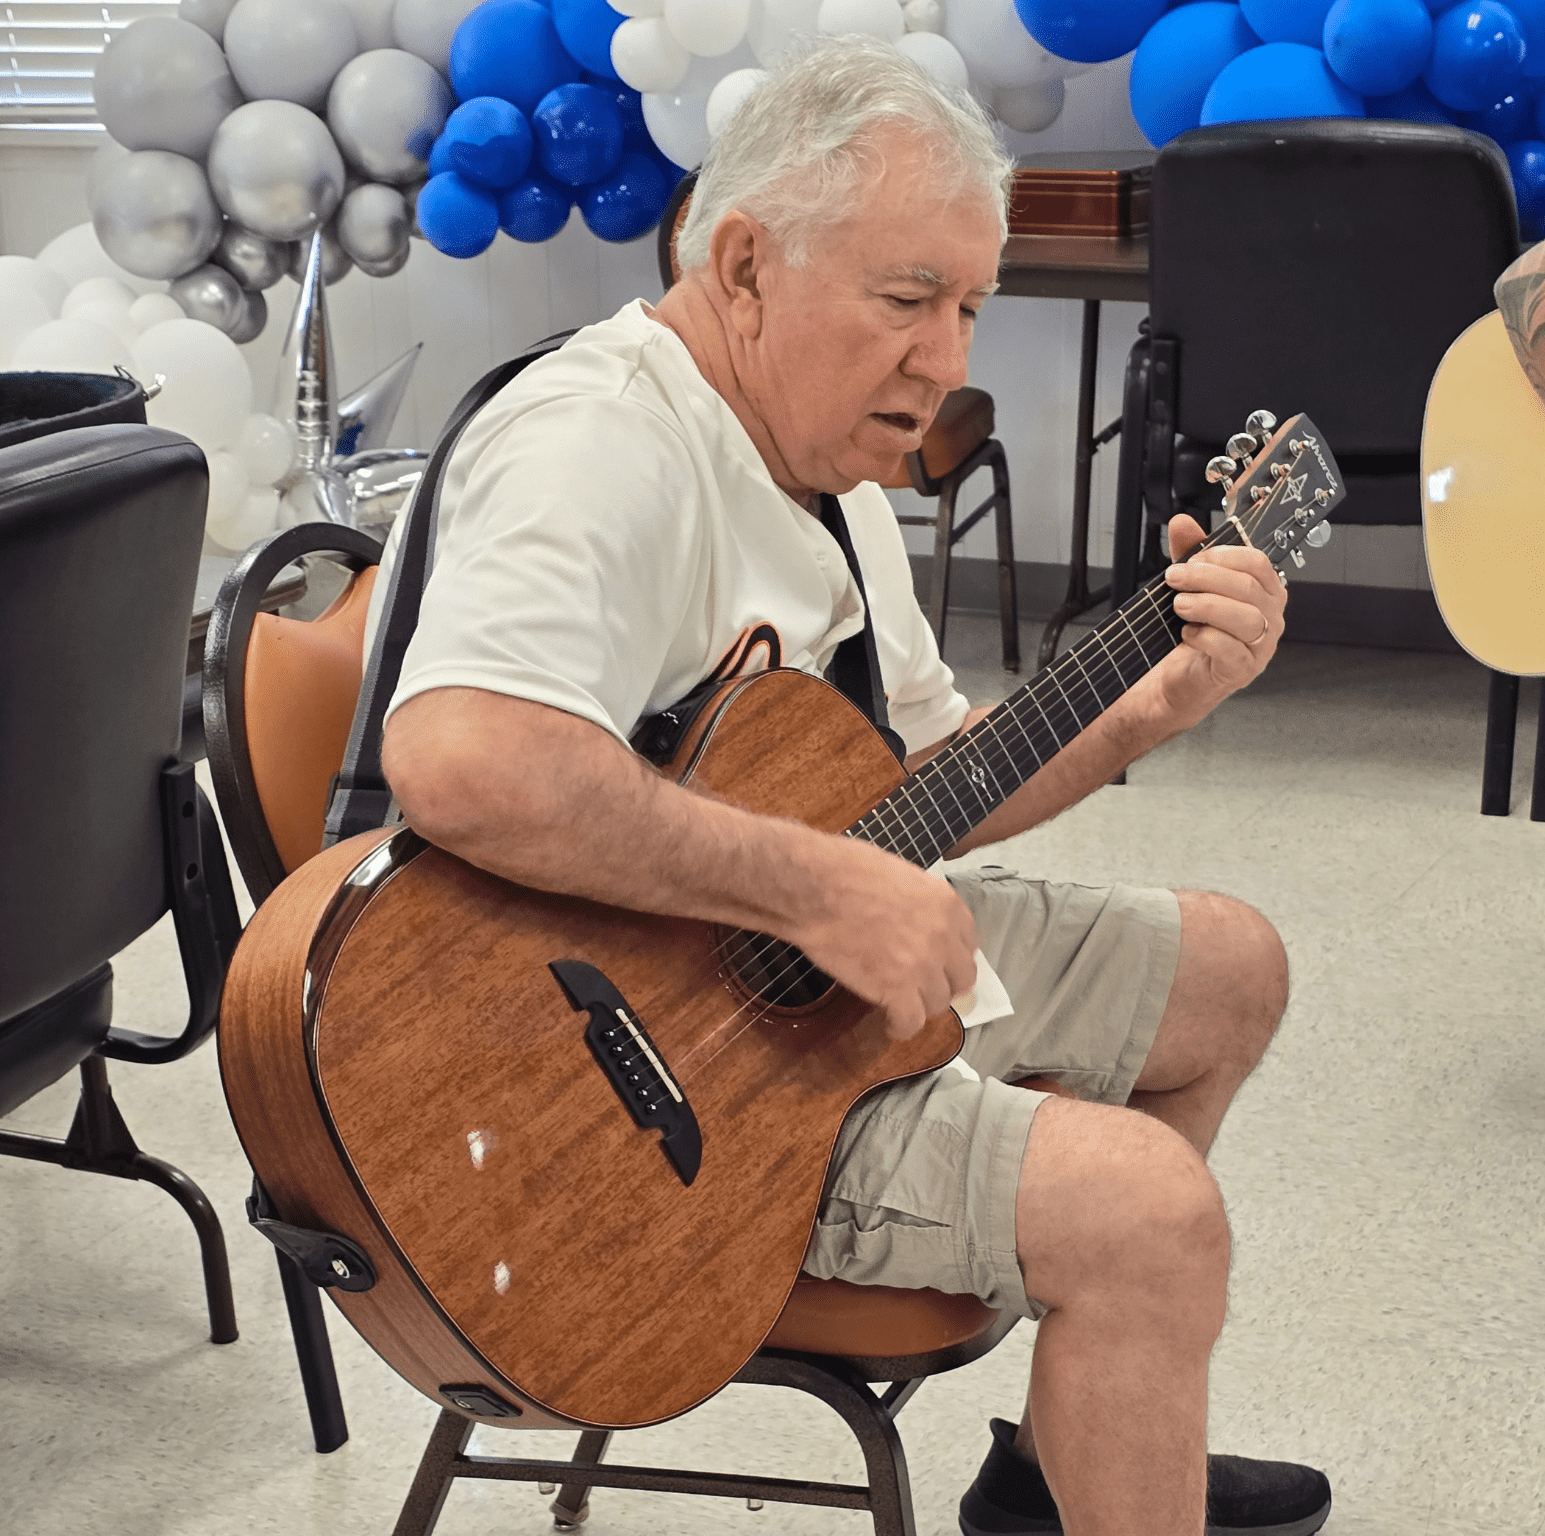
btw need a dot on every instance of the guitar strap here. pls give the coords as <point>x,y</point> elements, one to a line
<point>361,799</point>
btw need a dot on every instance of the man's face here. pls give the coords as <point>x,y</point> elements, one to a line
<point>860,346</point>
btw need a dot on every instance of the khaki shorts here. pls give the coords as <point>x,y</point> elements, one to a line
<point>924,1179</point>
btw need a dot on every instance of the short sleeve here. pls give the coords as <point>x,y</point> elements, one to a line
<point>566,566</point>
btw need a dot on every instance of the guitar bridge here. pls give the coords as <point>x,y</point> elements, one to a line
<point>633,1064</point>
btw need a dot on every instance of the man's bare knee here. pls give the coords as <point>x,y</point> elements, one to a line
<point>1231,952</point>
<point>1119,1213</point>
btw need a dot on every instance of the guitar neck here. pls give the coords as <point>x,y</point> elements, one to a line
<point>963,783</point>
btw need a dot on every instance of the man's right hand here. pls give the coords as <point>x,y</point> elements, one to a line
<point>897,937</point>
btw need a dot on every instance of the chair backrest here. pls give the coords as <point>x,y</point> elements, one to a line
<point>100,532</point>
<point>671,220</point>
<point>279,698</point>
<point>1324,263</point>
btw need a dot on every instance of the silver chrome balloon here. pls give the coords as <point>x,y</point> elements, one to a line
<point>372,223</point>
<point>380,482</point>
<point>365,417</point>
<point>318,496</point>
<point>336,262</point>
<point>155,215</point>
<point>386,110</point>
<point>303,391</point>
<point>163,83</point>
<point>289,50</point>
<point>253,317</point>
<point>387,268</point>
<point>275,170</point>
<point>211,15</point>
<point>210,294</point>
<point>254,262</point>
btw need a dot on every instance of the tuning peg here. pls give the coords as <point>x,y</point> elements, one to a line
<point>1222,467</point>
<point>1298,558</point>
<point>1261,423</point>
<point>1242,445</point>
<point>1318,536</point>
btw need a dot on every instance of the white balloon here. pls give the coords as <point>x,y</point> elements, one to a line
<point>111,317</point>
<point>24,272</point>
<point>228,488</point>
<point>155,309</point>
<point>96,290</point>
<point>1030,108</point>
<point>923,15</point>
<point>877,18</point>
<point>708,28</point>
<point>208,390</point>
<point>426,27</point>
<point>71,346</point>
<point>77,254</point>
<point>678,120</point>
<point>647,57</point>
<point>266,448</point>
<point>255,518</point>
<point>637,7</point>
<point>994,43</point>
<point>22,311</point>
<point>938,56</point>
<point>725,98</point>
<point>372,23</point>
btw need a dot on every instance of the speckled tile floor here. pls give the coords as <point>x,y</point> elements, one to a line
<point>1384,1170</point>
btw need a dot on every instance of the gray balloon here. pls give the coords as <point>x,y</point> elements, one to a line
<point>154,214</point>
<point>410,197</point>
<point>426,27</point>
<point>388,267</point>
<point>372,22</point>
<point>103,159</point>
<point>336,262</point>
<point>386,110</point>
<point>163,84</point>
<point>253,261</point>
<point>208,14</point>
<point>209,294</point>
<point>372,224</point>
<point>249,323</point>
<point>289,50</point>
<point>275,169</point>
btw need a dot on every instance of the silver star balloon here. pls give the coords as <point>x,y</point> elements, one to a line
<point>342,473</point>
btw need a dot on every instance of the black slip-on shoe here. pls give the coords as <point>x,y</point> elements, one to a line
<point>1244,1497</point>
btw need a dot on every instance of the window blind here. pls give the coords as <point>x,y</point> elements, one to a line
<point>48,52</point>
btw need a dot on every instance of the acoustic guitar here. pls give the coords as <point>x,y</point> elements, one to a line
<point>568,1156</point>
<point>1483,514</point>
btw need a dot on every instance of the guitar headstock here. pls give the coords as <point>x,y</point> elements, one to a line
<point>1280,484</point>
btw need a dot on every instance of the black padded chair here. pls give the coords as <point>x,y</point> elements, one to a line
<point>101,829</point>
<point>1320,265</point>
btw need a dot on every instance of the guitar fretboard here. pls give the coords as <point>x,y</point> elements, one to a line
<point>963,783</point>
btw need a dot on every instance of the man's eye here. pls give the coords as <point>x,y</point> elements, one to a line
<point>905,303</point>
<point>970,314</point>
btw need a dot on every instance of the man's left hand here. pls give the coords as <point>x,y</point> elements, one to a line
<point>1231,601</point>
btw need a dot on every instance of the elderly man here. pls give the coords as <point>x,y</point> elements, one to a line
<point>639,512</point>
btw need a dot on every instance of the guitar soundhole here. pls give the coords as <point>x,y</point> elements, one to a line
<point>773,971</point>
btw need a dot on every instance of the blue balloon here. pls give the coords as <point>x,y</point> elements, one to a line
<point>487,141</point>
<point>1477,55</point>
<point>1526,159</point>
<point>1278,80</point>
<point>586,27</point>
<point>1530,16</point>
<point>457,217</point>
<point>628,203</point>
<point>1415,104</point>
<point>511,49</point>
<point>1377,47</point>
<point>1089,31</point>
<point>578,134</point>
<point>1176,63</point>
<point>535,209</point>
<point>630,107</point>
<point>1287,21</point>
<point>1511,118</point>
<point>440,156</point>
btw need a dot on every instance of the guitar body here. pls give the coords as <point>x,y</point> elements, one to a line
<point>405,1069</point>
<point>1483,515</point>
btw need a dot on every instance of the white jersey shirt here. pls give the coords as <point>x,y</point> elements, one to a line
<point>609,538</point>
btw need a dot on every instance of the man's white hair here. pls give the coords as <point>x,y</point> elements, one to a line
<point>798,150</point>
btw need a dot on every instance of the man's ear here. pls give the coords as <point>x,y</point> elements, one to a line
<point>737,259</point>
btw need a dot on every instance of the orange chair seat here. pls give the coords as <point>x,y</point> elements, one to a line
<point>965,421</point>
<point>832,1317</point>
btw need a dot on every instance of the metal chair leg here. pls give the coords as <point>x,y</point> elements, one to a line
<point>1537,800</point>
<point>1008,589</point>
<point>314,1352</point>
<point>572,1506</point>
<point>436,1472</point>
<point>943,542</point>
<point>1501,728</point>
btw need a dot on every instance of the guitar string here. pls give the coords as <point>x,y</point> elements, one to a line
<point>1155,624</point>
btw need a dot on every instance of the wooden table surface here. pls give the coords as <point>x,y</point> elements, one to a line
<point>1075,267</point>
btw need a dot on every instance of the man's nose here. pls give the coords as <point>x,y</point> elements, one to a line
<point>939,355</point>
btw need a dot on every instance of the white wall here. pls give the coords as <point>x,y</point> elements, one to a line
<point>472,314</point>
